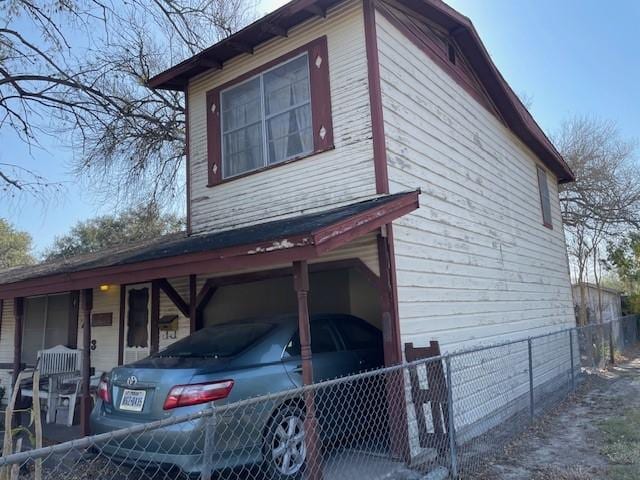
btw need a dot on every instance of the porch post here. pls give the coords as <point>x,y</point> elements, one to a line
<point>85,406</point>
<point>155,317</point>
<point>121,322</point>
<point>395,391</point>
<point>193,303</point>
<point>301,285</point>
<point>72,338</point>
<point>18,313</point>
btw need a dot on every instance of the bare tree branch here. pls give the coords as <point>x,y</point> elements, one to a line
<point>78,70</point>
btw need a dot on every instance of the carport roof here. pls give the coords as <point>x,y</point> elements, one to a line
<point>299,237</point>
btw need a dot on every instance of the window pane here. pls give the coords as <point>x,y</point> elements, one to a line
<point>286,86</point>
<point>218,341</point>
<point>243,150</point>
<point>358,335</point>
<point>322,340</point>
<point>241,105</point>
<point>57,331</point>
<point>290,134</point>
<point>286,117</point>
<point>33,328</point>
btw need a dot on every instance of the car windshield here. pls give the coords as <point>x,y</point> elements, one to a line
<point>217,341</point>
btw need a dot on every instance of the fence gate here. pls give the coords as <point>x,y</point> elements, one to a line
<point>435,395</point>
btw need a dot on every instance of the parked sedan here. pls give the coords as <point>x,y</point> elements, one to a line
<point>224,364</point>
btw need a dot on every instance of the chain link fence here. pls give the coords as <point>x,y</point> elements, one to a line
<point>439,417</point>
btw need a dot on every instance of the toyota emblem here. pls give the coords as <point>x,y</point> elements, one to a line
<point>132,380</point>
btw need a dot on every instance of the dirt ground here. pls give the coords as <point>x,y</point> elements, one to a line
<point>595,434</point>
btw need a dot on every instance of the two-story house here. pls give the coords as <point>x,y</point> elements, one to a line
<point>350,156</point>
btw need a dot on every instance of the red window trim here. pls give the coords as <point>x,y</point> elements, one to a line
<point>320,110</point>
<point>543,177</point>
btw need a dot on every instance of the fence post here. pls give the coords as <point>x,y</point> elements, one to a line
<point>208,449</point>
<point>573,368</point>
<point>451,424</point>
<point>612,356</point>
<point>531,401</point>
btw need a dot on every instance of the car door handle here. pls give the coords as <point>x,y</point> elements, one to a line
<point>298,369</point>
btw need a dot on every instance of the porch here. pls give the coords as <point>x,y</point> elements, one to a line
<point>139,299</point>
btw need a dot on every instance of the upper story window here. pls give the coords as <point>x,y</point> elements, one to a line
<point>545,198</point>
<point>274,114</point>
<point>267,119</point>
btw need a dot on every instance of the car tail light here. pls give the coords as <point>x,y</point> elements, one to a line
<point>185,395</point>
<point>103,389</point>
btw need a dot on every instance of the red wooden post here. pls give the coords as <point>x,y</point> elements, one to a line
<point>74,312</point>
<point>155,317</point>
<point>395,391</point>
<point>85,406</point>
<point>121,322</point>
<point>301,284</point>
<point>193,303</point>
<point>18,313</point>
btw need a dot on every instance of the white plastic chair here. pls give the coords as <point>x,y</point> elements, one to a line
<point>62,366</point>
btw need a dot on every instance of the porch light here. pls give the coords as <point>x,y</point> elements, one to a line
<point>104,288</point>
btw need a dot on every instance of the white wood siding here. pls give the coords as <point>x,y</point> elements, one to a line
<point>105,356</point>
<point>474,263</point>
<point>330,178</point>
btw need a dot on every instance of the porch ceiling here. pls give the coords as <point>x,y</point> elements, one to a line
<point>297,238</point>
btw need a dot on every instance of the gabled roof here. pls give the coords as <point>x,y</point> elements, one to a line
<point>300,237</point>
<point>277,23</point>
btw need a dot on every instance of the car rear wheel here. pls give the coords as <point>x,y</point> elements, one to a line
<point>285,450</point>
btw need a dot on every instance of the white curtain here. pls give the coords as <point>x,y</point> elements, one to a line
<point>287,114</point>
<point>242,128</point>
<point>288,108</point>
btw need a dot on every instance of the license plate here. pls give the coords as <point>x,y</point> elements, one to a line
<point>132,400</point>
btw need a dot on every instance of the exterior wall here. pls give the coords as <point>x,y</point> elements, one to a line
<point>610,300</point>
<point>474,263</point>
<point>105,355</point>
<point>330,178</point>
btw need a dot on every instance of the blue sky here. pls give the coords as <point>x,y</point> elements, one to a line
<point>569,57</point>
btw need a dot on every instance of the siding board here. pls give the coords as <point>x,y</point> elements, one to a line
<point>475,265</point>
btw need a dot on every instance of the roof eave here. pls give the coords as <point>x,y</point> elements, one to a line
<point>304,246</point>
<point>272,25</point>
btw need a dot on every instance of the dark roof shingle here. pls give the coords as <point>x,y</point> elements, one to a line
<point>177,244</point>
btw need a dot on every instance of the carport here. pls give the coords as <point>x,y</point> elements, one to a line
<point>271,254</point>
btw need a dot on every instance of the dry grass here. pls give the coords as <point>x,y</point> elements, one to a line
<point>576,472</point>
<point>621,435</point>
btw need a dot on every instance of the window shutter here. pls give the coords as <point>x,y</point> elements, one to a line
<point>320,95</point>
<point>214,146</point>
<point>545,200</point>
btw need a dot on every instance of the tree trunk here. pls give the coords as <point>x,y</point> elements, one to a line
<point>582,310</point>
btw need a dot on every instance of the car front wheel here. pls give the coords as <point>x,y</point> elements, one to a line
<point>285,450</point>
